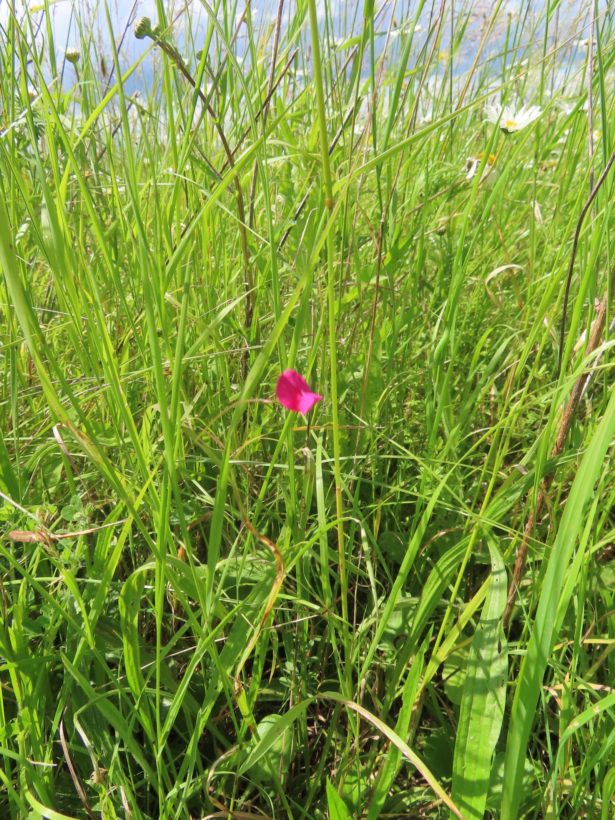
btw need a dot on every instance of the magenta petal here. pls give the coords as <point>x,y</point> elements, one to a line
<point>307,400</point>
<point>289,388</point>
<point>293,392</point>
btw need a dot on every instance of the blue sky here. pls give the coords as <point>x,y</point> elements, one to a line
<point>64,15</point>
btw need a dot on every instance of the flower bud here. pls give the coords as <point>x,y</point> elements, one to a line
<point>73,55</point>
<point>143,28</point>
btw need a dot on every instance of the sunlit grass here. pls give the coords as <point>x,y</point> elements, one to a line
<point>211,603</point>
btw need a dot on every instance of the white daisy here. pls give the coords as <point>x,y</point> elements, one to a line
<point>474,163</point>
<point>405,28</point>
<point>510,120</point>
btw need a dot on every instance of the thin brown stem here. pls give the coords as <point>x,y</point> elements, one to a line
<point>590,96</point>
<point>174,55</point>
<point>575,243</point>
<point>303,202</point>
<point>564,426</point>
<point>266,102</point>
<point>265,108</point>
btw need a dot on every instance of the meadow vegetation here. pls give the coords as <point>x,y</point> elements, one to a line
<point>212,605</point>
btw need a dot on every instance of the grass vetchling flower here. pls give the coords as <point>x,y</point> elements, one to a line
<point>293,392</point>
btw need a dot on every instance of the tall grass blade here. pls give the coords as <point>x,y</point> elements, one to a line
<point>546,625</point>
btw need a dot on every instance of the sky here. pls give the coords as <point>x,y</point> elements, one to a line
<point>346,13</point>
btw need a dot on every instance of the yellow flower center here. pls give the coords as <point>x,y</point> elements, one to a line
<point>510,125</point>
<point>490,158</point>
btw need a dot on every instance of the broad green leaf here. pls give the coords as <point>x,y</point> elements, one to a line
<point>44,811</point>
<point>272,735</point>
<point>608,790</point>
<point>8,480</point>
<point>278,757</point>
<point>483,700</point>
<point>335,804</point>
<point>129,607</point>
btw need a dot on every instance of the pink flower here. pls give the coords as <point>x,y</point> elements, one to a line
<point>293,392</point>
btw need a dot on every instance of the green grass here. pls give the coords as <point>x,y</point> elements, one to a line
<point>211,606</point>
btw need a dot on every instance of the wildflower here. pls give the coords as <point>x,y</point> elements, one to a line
<point>73,55</point>
<point>509,120</point>
<point>143,28</point>
<point>473,164</point>
<point>293,392</point>
<point>405,28</point>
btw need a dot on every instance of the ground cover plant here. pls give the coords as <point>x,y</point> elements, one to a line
<point>307,410</point>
